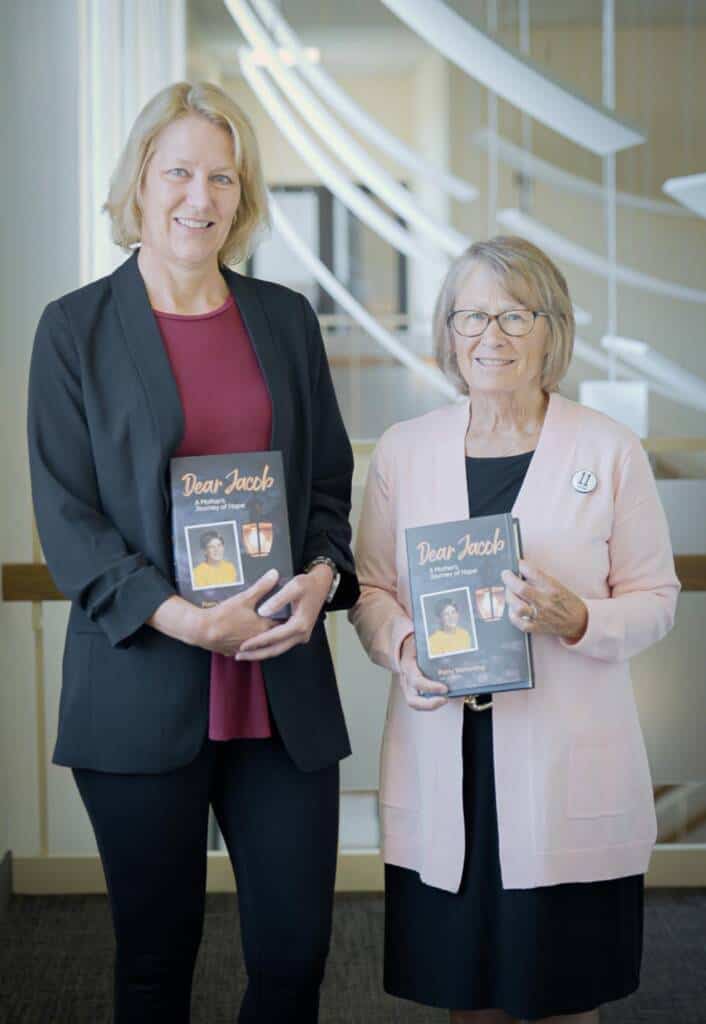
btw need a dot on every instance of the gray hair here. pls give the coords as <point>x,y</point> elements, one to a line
<point>528,275</point>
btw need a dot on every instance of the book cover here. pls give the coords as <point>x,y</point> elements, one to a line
<point>463,634</point>
<point>229,523</point>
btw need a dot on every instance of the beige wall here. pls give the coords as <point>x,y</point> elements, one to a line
<point>39,256</point>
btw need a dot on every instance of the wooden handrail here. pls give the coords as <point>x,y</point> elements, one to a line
<point>30,581</point>
<point>691,570</point>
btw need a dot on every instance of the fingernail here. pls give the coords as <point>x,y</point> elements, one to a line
<point>265,608</point>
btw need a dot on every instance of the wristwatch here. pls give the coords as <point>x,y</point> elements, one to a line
<point>325,560</point>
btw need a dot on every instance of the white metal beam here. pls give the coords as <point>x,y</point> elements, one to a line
<point>344,298</point>
<point>516,78</point>
<point>564,249</point>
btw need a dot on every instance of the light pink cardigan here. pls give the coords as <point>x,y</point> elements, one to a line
<point>573,789</point>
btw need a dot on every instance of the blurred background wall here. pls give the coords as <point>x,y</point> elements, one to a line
<point>65,61</point>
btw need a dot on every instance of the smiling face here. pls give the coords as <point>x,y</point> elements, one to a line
<point>495,362</point>
<point>190,192</point>
<point>214,551</point>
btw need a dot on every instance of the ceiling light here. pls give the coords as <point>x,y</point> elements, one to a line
<point>308,55</point>
<point>351,196</point>
<point>347,150</point>
<point>359,119</point>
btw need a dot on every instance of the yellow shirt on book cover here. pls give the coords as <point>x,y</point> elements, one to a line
<point>449,642</point>
<point>206,575</point>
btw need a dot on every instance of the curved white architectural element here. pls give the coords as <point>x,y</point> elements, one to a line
<point>588,354</point>
<point>690,388</point>
<point>527,163</point>
<point>358,118</point>
<point>582,349</point>
<point>564,249</point>
<point>356,200</point>
<point>517,79</point>
<point>343,145</point>
<point>351,196</point>
<point>690,191</point>
<point>344,298</point>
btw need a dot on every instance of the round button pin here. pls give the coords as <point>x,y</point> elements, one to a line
<point>584,481</point>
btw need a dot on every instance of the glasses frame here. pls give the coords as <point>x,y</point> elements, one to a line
<point>496,317</point>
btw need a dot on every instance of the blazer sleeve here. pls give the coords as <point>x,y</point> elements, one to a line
<point>381,621</point>
<point>328,529</point>
<point>643,583</point>
<point>91,564</point>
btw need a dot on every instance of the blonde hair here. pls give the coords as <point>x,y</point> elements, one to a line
<point>174,102</point>
<point>528,275</point>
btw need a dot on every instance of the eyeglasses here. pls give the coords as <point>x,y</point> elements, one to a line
<point>471,323</point>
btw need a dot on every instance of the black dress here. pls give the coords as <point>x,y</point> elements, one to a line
<point>532,952</point>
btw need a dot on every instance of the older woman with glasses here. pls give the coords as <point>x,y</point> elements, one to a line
<point>516,831</point>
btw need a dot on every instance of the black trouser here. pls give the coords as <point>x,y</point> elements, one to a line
<point>281,829</point>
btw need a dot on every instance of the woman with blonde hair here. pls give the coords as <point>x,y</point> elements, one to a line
<point>517,830</point>
<point>166,707</point>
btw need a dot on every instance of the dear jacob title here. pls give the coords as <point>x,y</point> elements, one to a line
<point>444,561</point>
<point>212,492</point>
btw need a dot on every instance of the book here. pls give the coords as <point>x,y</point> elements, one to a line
<point>229,524</point>
<point>463,634</point>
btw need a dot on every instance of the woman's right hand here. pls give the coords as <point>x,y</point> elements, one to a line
<point>414,684</point>
<point>222,628</point>
<point>229,624</point>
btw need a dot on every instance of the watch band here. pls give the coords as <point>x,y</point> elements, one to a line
<point>325,560</point>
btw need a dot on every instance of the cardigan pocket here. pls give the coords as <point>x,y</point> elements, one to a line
<point>398,821</point>
<point>597,778</point>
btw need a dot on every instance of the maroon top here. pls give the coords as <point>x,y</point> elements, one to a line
<point>227,408</point>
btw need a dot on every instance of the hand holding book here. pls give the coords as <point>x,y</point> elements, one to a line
<point>229,522</point>
<point>465,635</point>
<point>231,623</point>
<point>414,685</point>
<point>221,628</point>
<point>541,604</point>
<point>305,594</point>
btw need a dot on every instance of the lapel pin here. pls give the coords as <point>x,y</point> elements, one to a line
<point>584,481</point>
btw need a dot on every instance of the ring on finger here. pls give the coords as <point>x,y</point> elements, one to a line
<point>531,614</point>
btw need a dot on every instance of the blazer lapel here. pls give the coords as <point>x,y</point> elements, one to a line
<point>265,346</point>
<point>145,344</point>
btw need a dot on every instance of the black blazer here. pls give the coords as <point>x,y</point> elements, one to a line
<point>104,418</point>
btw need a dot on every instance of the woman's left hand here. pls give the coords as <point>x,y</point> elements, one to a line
<point>306,594</point>
<point>540,604</point>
